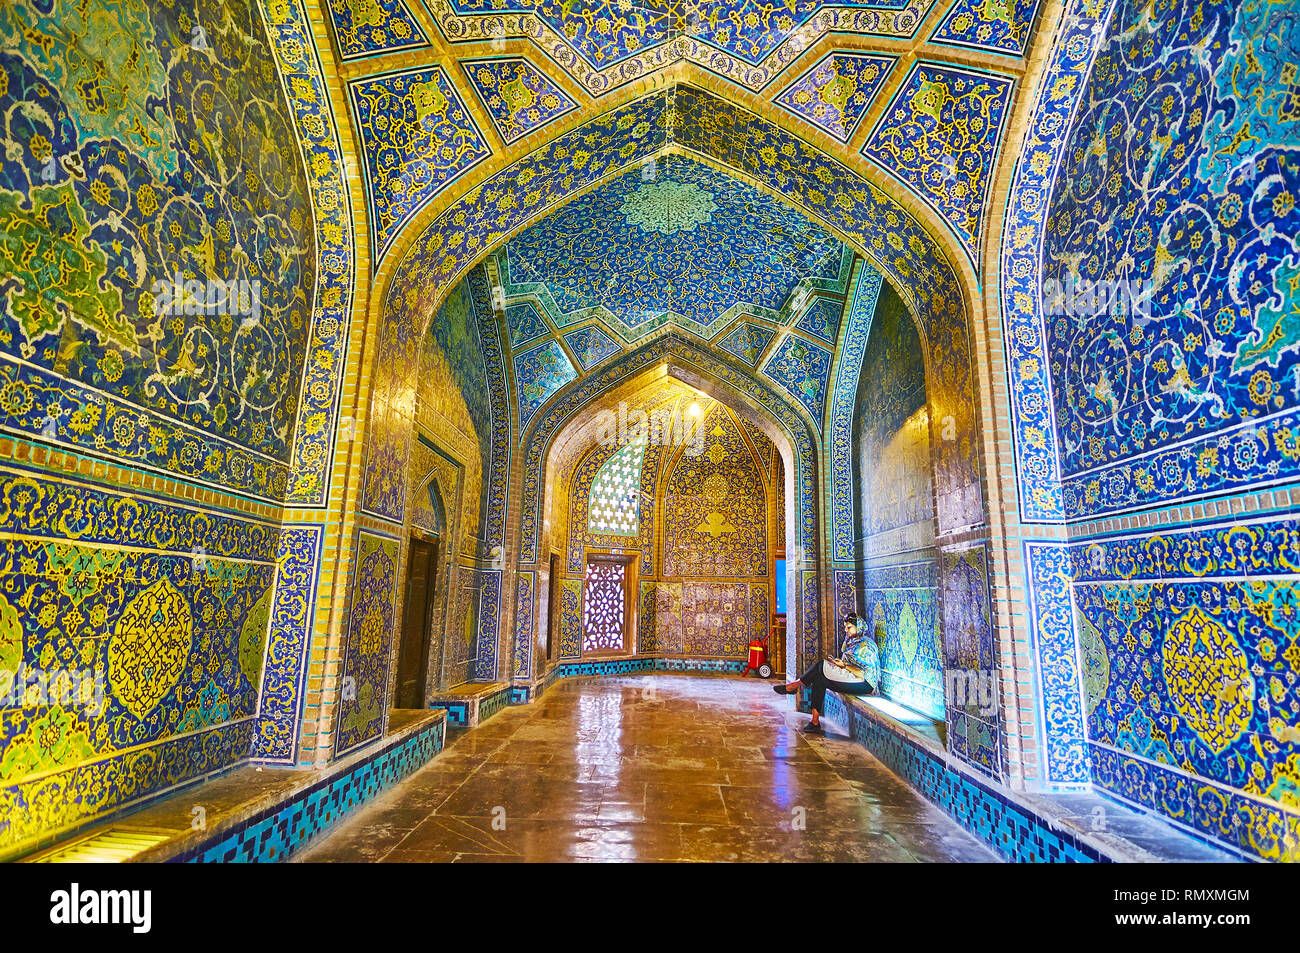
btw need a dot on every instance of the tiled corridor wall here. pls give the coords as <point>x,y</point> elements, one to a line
<point>897,575</point>
<point>157,281</point>
<point>1160,428</point>
<point>206,501</point>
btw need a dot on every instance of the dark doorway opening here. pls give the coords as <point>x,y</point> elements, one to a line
<point>413,654</point>
<point>552,602</point>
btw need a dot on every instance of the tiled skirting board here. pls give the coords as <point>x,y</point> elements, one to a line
<point>1012,826</point>
<point>297,820</point>
<point>522,694</point>
<point>638,664</point>
<point>257,814</point>
<point>1013,831</point>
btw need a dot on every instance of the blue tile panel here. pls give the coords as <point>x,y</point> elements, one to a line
<point>1167,673</point>
<point>1249,826</point>
<point>1185,388</point>
<point>1011,829</point>
<point>489,706</point>
<point>282,830</point>
<point>631,666</point>
<point>459,712</point>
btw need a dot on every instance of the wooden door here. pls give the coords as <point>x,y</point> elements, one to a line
<point>413,653</point>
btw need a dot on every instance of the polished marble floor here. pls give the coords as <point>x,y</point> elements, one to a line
<point>658,767</point>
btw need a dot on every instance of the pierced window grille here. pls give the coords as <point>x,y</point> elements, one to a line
<point>614,507</point>
<point>604,607</point>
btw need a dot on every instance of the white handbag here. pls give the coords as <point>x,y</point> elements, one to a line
<point>838,673</point>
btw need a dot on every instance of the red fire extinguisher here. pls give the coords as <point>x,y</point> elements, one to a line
<point>758,659</point>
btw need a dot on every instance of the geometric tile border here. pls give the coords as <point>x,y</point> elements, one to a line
<point>285,828</point>
<point>1017,833</point>
<point>472,710</point>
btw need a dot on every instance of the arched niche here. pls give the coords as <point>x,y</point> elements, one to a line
<point>710,129</point>
<point>562,437</point>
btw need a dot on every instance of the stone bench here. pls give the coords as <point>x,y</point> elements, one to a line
<point>1082,826</point>
<point>254,813</point>
<point>473,703</point>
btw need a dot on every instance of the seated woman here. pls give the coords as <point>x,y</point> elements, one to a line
<point>841,675</point>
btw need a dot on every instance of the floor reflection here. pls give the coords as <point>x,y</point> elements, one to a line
<point>650,768</point>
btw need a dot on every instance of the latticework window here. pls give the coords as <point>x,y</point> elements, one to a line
<point>604,606</point>
<point>615,502</point>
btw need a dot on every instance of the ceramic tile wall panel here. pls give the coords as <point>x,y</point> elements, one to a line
<point>172,159</point>
<point>892,437</point>
<point>747,342</point>
<point>1150,365</point>
<point>591,345</point>
<point>368,646</point>
<point>1001,26</point>
<point>1059,697</point>
<point>1180,388</point>
<point>900,604</point>
<point>472,647</point>
<point>801,368</point>
<point>518,97</point>
<point>487,633</point>
<point>298,558</point>
<point>164,286</point>
<point>940,137</point>
<point>835,93</point>
<point>525,322</point>
<point>1189,651</point>
<point>972,682</point>
<point>371,27</point>
<point>539,375</point>
<point>133,655</point>
<point>570,619</point>
<point>715,507</point>
<point>861,311</point>
<point>525,621</point>
<point>417,138</point>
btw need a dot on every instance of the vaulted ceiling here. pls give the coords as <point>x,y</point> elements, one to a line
<point>673,246</point>
<point>672,242</point>
<point>450,95</point>
<point>914,93</point>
